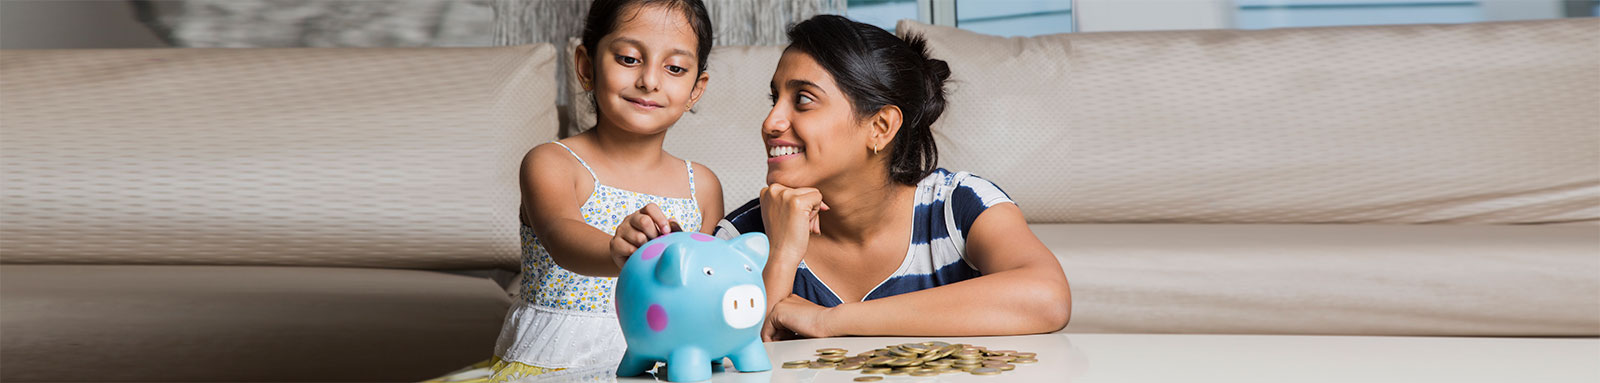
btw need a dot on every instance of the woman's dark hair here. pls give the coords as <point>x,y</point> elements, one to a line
<point>876,69</point>
<point>605,15</point>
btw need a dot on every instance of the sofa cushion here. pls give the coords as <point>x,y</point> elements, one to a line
<point>328,157</point>
<point>1470,123</point>
<point>220,323</point>
<point>1448,280</point>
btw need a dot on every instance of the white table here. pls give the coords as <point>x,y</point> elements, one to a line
<point>1210,358</point>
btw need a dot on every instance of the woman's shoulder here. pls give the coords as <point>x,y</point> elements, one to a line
<point>963,186</point>
<point>745,219</point>
<point>963,195</point>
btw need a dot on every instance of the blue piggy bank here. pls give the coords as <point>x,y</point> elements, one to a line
<point>689,299</point>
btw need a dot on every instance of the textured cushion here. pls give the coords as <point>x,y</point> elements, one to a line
<point>724,130</point>
<point>333,157</point>
<point>1448,280</point>
<point>81,323</point>
<point>1471,123</point>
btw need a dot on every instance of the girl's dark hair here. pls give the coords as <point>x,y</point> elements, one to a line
<point>606,15</point>
<point>876,69</point>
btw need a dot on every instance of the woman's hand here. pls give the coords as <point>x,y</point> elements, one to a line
<point>636,229</point>
<point>790,217</point>
<point>796,317</point>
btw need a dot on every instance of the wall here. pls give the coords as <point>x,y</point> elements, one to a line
<point>59,24</point>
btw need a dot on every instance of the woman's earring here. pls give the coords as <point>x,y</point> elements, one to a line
<point>874,150</point>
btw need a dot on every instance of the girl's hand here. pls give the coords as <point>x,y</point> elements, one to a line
<point>796,317</point>
<point>790,217</point>
<point>636,229</point>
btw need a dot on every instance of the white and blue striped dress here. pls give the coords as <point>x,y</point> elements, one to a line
<point>947,205</point>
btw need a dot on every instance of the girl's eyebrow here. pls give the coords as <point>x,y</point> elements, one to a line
<point>625,40</point>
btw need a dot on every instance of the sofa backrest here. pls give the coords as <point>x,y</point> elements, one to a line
<point>318,157</point>
<point>1488,123</point>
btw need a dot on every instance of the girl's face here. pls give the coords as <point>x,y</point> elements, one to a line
<point>812,134</point>
<point>644,74</point>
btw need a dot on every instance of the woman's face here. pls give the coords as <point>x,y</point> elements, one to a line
<point>812,133</point>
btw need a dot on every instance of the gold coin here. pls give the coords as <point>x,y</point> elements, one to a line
<point>940,362</point>
<point>994,363</point>
<point>895,372</point>
<point>875,370</point>
<point>869,378</point>
<point>831,350</point>
<point>914,347</point>
<point>1007,367</point>
<point>831,359</point>
<point>937,344</point>
<point>880,360</point>
<point>849,366</point>
<point>1024,354</point>
<point>903,353</point>
<point>1004,352</point>
<point>1002,358</point>
<point>794,365</point>
<point>925,373</point>
<point>1025,360</point>
<point>820,365</point>
<point>986,371</point>
<point>969,354</point>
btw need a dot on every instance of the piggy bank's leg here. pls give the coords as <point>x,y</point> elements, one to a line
<point>752,357</point>
<point>632,364</point>
<point>688,364</point>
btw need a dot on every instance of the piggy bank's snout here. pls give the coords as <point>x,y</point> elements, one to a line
<point>744,306</point>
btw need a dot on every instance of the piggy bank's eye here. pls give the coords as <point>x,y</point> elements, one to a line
<point>747,268</point>
<point>708,271</point>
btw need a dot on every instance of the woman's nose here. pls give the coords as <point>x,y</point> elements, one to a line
<point>775,124</point>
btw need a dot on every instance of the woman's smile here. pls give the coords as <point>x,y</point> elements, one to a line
<point>779,150</point>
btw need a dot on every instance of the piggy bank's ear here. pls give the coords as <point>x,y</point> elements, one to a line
<point>673,269</point>
<point>753,246</point>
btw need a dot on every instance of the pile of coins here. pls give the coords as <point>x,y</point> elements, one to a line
<point>918,359</point>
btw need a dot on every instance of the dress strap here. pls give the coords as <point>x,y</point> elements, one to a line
<point>591,171</point>
<point>690,166</point>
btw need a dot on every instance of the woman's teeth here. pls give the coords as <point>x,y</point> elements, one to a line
<point>779,151</point>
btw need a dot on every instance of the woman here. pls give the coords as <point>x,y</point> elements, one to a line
<point>868,237</point>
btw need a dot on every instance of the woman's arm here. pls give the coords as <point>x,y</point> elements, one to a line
<point>550,191</point>
<point>789,216</point>
<point>1022,291</point>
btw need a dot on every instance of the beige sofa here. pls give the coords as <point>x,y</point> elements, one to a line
<point>330,214</point>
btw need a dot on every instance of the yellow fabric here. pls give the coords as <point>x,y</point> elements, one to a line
<point>494,370</point>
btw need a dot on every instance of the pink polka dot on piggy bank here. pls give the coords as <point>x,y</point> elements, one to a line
<point>656,317</point>
<point>653,251</point>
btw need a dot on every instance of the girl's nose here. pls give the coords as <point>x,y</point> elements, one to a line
<point>649,80</point>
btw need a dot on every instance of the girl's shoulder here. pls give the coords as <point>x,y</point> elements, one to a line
<point>556,160</point>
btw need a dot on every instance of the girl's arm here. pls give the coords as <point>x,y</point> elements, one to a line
<point>708,191</point>
<point>551,186</point>
<point>1022,291</point>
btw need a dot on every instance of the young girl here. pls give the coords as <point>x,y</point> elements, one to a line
<point>590,200</point>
